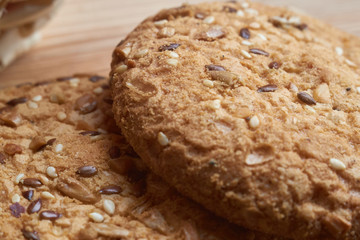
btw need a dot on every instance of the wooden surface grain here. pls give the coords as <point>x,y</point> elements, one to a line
<point>80,38</point>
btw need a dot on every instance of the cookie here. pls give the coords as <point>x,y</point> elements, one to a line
<point>68,173</point>
<point>250,110</point>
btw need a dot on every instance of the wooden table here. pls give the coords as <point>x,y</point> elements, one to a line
<point>80,38</point>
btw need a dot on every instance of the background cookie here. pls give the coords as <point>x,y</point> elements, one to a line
<point>252,111</point>
<point>67,173</point>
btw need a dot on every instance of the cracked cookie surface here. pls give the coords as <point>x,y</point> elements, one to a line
<point>252,111</point>
<point>67,173</point>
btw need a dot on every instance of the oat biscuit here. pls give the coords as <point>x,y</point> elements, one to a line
<point>252,111</point>
<point>67,173</point>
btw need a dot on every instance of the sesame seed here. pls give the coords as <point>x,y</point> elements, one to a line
<point>208,83</point>
<point>339,51</point>
<point>209,20</point>
<point>96,217</point>
<point>171,54</point>
<point>160,22</point>
<point>216,104</point>
<point>294,20</point>
<point>37,98</point>
<point>32,105</point>
<point>337,164</point>
<point>246,54</point>
<point>19,178</point>
<point>141,53</point>
<point>246,43</point>
<point>172,62</point>
<point>350,63</point>
<point>97,137</point>
<point>252,11</point>
<point>254,122</point>
<point>162,139</point>
<point>121,69</point>
<point>240,13</point>
<point>61,116</point>
<point>98,90</point>
<point>254,25</point>
<point>262,37</point>
<point>167,32</point>
<point>51,172</point>
<point>15,198</point>
<point>311,109</point>
<point>43,179</point>
<point>293,87</point>
<point>125,51</point>
<point>74,82</point>
<point>358,89</point>
<point>109,206</point>
<point>59,148</point>
<point>47,195</point>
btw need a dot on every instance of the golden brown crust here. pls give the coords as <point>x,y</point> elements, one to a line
<point>271,143</point>
<point>62,137</point>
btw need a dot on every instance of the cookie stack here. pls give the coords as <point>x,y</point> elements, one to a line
<point>249,112</point>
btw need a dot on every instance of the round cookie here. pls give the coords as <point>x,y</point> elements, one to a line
<point>250,110</point>
<point>60,151</point>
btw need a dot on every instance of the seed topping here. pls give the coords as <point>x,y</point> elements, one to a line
<point>96,217</point>
<point>245,33</point>
<point>49,215</point>
<point>306,98</point>
<point>268,88</point>
<point>30,235</point>
<point>337,164</point>
<point>162,139</point>
<point>254,122</point>
<point>37,143</point>
<point>16,209</point>
<point>87,171</point>
<point>32,182</point>
<point>86,104</point>
<point>112,189</point>
<point>51,172</point>
<point>109,206</point>
<point>96,78</point>
<point>28,194</point>
<point>90,133</point>
<point>34,206</point>
<point>213,67</point>
<point>170,47</point>
<point>17,101</point>
<point>259,52</point>
<point>274,65</point>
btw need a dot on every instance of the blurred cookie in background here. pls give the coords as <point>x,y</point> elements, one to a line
<point>20,23</point>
